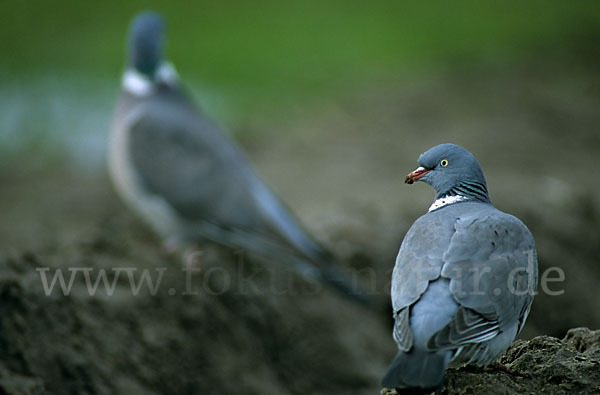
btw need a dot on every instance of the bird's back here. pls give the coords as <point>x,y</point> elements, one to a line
<point>456,242</point>
<point>182,158</point>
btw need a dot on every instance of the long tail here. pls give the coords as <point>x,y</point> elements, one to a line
<point>417,369</point>
<point>269,249</point>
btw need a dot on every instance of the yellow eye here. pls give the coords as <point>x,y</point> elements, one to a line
<point>444,162</point>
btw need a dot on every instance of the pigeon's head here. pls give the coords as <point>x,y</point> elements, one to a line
<point>145,43</point>
<point>450,170</point>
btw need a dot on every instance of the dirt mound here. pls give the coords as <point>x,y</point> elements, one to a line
<point>542,365</point>
<point>230,325</point>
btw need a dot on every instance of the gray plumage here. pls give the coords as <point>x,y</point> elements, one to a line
<point>464,277</point>
<point>176,168</point>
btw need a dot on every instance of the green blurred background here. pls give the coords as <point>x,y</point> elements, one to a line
<point>61,61</point>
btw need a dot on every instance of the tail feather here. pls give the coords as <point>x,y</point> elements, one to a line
<point>327,273</point>
<point>276,214</point>
<point>417,369</point>
<point>285,224</point>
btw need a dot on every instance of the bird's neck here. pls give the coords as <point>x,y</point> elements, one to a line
<point>464,192</point>
<point>140,84</point>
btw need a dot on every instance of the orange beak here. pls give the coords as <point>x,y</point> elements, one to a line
<point>416,174</point>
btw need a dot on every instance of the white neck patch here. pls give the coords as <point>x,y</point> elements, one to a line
<point>446,200</point>
<point>138,84</point>
<point>167,74</point>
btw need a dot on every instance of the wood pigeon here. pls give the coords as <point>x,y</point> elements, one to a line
<point>464,277</point>
<point>174,167</point>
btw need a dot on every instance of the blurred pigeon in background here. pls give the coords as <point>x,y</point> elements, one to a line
<point>464,277</point>
<point>187,179</point>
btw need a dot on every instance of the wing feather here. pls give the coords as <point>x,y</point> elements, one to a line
<point>402,333</point>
